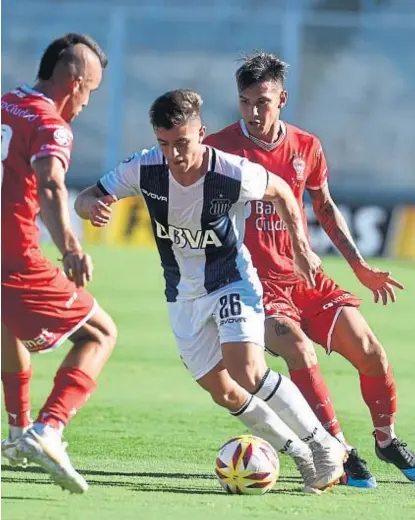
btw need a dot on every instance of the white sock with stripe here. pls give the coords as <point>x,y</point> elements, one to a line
<point>286,400</point>
<point>263,422</point>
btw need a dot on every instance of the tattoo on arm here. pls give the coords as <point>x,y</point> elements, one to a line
<point>337,229</point>
<point>280,328</point>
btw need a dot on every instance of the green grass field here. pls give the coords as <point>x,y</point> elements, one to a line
<point>146,441</point>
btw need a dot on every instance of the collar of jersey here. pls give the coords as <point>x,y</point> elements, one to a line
<point>269,147</point>
<point>211,167</point>
<point>33,92</point>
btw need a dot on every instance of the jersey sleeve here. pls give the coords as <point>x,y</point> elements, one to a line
<point>318,175</point>
<point>254,181</point>
<point>52,139</point>
<point>124,181</point>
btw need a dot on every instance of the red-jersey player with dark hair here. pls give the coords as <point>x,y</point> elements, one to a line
<point>42,305</point>
<point>325,314</point>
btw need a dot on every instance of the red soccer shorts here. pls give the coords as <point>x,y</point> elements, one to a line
<point>315,310</point>
<point>43,308</point>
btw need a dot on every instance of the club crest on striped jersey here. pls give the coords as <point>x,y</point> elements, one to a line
<point>220,206</point>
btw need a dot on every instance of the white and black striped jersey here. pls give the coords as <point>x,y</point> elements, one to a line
<point>199,229</point>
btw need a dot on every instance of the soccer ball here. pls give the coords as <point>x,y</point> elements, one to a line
<point>247,465</point>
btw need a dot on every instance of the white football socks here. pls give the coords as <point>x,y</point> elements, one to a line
<point>286,400</point>
<point>258,417</point>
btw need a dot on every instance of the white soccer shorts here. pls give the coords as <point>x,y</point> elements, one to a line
<point>234,313</point>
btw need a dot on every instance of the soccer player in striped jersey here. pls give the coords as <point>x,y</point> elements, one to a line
<point>196,198</point>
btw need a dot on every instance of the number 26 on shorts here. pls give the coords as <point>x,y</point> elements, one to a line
<point>230,305</point>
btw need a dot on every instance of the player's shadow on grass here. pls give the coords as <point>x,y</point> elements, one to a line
<point>395,482</point>
<point>179,489</point>
<point>140,487</point>
<point>29,498</point>
<point>102,473</point>
<point>145,474</point>
<point>185,476</point>
<point>13,480</point>
<point>148,487</point>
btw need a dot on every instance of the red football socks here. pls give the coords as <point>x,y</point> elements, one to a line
<point>312,385</point>
<point>379,393</point>
<point>16,388</point>
<point>71,391</point>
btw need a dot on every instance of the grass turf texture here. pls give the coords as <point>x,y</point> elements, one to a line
<point>146,441</point>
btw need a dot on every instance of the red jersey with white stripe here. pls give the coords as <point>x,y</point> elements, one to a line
<point>31,128</point>
<point>298,158</point>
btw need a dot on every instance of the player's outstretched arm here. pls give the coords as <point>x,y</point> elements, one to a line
<point>306,262</point>
<point>54,210</point>
<point>334,224</point>
<point>92,204</point>
<point>95,202</point>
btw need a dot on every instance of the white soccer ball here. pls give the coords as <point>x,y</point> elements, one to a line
<point>247,465</point>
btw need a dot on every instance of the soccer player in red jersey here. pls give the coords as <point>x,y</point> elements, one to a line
<point>41,305</point>
<point>326,314</point>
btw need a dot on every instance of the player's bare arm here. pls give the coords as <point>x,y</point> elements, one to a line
<point>54,210</point>
<point>306,262</point>
<point>92,204</point>
<point>334,224</point>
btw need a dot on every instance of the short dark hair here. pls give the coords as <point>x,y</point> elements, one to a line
<point>258,67</point>
<point>62,48</point>
<point>175,108</point>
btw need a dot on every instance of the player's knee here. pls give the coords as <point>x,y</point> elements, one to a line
<point>373,360</point>
<point>100,330</point>
<point>247,378</point>
<point>110,333</point>
<point>229,398</point>
<point>248,374</point>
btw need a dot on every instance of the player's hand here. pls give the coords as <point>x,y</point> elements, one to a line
<point>379,282</point>
<point>78,267</point>
<point>101,211</point>
<point>306,264</point>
